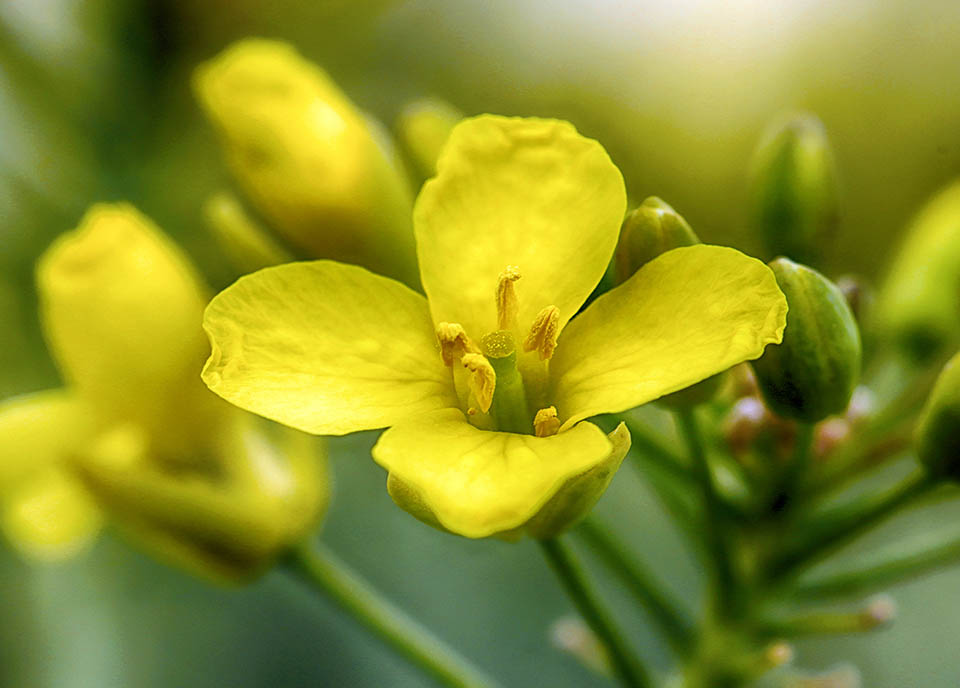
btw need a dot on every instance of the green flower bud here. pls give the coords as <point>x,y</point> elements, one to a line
<point>307,159</point>
<point>648,231</point>
<point>794,195</point>
<point>813,372</point>
<point>422,129</point>
<point>938,432</point>
<point>918,305</point>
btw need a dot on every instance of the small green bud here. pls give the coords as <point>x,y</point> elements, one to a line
<point>918,306</point>
<point>423,127</point>
<point>648,231</point>
<point>813,372</point>
<point>794,195</point>
<point>938,432</point>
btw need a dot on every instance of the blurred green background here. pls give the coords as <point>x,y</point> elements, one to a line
<point>95,105</point>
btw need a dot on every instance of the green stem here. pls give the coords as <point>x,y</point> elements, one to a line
<point>872,617</point>
<point>664,611</point>
<point>797,470</point>
<point>626,666</point>
<point>320,569</point>
<point>655,448</point>
<point>900,565</point>
<point>713,512</point>
<point>828,532</point>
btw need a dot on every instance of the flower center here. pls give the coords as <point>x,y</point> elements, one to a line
<point>487,377</point>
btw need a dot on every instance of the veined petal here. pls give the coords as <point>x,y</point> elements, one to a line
<point>326,348</point>
<point>476,482</point>
<point>530,193</point>
<point>688,314</point>
<point>38,431</point>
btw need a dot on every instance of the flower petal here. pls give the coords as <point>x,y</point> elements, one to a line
<point>326,348</point>
<point>38,431</point>
<point>686,315</point>
<point>510,191</point>
<point>479,483</point>
<point>50,515</point>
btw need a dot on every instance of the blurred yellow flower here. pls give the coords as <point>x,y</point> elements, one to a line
<point>484,384</point>
<point>320,171</point>
<point>134,432</point>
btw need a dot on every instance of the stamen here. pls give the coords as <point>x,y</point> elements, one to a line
<point>546,423</point>
<point>544,332</point>
<point>507,298</point>
<point>482,379</point>
<point>454,342</point>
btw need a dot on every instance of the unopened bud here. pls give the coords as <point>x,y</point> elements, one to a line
<point>423,128</point>
<point>917,305</point>
<point>307,159</point>
<point>813,372</point>
<point>648,231</point>
<point>572,635</point>
<point>938,433</point>
<point>121,308</point>
<point>651,230</point>
<point>794,193</point>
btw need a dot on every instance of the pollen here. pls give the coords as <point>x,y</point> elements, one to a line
<point>482,379</point>
<point>544,332</point>
<point>454,342</point>
<point>507,298</point>
<point>546,423</point>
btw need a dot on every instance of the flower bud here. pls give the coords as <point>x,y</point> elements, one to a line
<point>917,304</point>
<point>307,159</point>
<point>121,308</point>
<point>225,524</point>
<point>648,231</point>
<point>423,127</point>
<point>938,433</point>
<point>245,243</point>
<point>813,372</point>
<point>794,194</point>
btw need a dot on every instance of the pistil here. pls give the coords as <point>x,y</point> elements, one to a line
<point>509,408</point>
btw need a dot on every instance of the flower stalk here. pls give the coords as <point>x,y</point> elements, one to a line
<point>321,570</point>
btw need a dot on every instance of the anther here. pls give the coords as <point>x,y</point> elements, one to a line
<point>546,423</point>
<point>507,298</point>
<point>454,342</point>
<point>544,332</point>
<point>482,380</point>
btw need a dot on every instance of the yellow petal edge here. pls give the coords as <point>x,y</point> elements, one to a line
<point>475,483</point>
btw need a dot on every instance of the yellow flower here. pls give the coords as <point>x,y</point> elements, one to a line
<point>135,433</point>
<point>320,171</point>
<point>486,383</point>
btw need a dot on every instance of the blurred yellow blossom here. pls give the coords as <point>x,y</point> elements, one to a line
<point>314,166</point>
<point>134,433</point>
